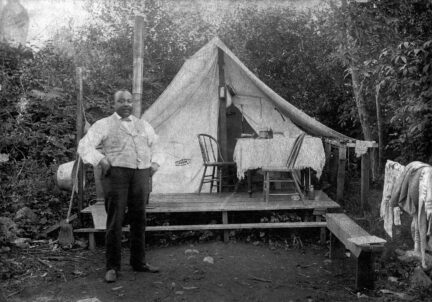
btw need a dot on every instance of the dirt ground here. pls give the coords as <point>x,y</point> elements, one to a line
<point>210,271</point>
<point>239,272</point>
<point>269,266</point>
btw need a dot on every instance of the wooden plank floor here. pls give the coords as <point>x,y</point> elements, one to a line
<point>170,203</point>
<point>178,203</point>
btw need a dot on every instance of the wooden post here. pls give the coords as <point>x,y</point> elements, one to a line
<point>364,271</point>
<point>92,242</point>
<point>337,248</point>
<point>249,179</point>
<point>138,65</point>
<point>327,171</point>
<point>80,133</point>
<point>341,173</point>
<point>318,218</point>
<point>364,189</point>
<point>327,152</point>
<point>225,221</point>
<point>222,129</point>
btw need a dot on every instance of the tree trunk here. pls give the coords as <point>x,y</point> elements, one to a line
<point>361,105</point>
<point>364,118</point>
<point>380,128</point>
<point>357,84</point>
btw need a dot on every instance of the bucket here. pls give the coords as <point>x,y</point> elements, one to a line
<point>66,174</point>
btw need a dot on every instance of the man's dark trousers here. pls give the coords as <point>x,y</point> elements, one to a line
<point>125,187</point>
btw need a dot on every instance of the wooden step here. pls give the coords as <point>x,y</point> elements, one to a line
<point>228,226</point>
<point>203,227</point>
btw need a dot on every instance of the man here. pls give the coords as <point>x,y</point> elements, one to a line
<point>127,159</point>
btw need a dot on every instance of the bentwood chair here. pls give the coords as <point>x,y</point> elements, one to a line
<point>215,167</point>
<point>288,170</point>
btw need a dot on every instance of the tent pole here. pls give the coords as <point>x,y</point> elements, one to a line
<point>242,119</point>
<point>222,129</point>
<point>138,50</point>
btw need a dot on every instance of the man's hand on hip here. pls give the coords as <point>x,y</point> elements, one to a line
<point>106,166</point>
<point>154,168</point>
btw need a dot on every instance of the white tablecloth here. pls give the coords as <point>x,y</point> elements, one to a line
<point>257,153</point>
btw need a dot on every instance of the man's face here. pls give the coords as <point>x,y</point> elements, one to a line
<point>123,104</point>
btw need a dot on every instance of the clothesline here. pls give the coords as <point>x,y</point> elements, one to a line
<point>351,143</point>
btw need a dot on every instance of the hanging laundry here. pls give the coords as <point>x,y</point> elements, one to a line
<point>425,193</point>
<point>390,215</point>
<point>405,192</point>
<point>361,147</point>
<point>396,216</point>
<point>412,192</point>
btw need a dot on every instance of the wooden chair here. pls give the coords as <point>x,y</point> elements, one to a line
<point>213,160</point>
<point>287,169</point>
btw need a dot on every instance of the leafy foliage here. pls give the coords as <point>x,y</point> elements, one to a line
<point>390,47</point>
<point>33,101</point>
<point>290,52</point>
<point>304,56</point>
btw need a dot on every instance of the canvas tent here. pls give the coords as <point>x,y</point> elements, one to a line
<point>190,105</point>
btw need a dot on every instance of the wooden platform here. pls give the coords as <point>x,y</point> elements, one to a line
<point>178,203</point>
<point>223,203</point>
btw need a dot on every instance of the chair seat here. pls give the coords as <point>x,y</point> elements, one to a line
<point>281,180</point>
<point>227,163</point>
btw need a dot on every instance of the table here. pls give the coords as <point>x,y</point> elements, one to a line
<point>255,153</point>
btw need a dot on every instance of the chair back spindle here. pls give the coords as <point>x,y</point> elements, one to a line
<point>292,158</point>
<point>214,162</point>
<point>210,149</point>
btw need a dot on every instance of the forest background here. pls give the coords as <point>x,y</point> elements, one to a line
<point>361,67</point>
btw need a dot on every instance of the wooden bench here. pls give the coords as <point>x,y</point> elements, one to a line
<point>346,234</point>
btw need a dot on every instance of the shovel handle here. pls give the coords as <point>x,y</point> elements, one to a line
<point>74,186</point>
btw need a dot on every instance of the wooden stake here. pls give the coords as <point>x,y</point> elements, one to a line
<point>364,189</point>
<point>138,66</point>
<point>225,221</point>
<point>80,133</point>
